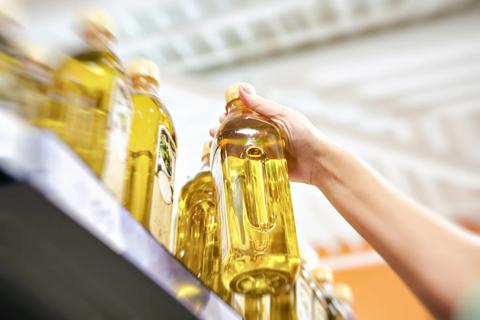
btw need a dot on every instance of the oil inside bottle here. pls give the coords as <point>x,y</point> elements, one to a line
<point>250,307</point>
<point>197,242</point>
<point>295,303</point>
<point>97,104</point>
<point>259,245</point>
<point>151,154</point>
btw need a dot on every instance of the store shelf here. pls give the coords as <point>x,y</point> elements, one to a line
<point>68,250</point>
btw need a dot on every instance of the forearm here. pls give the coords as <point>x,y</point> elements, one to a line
<point>437,260</point>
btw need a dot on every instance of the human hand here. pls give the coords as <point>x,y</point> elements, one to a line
<point>303,145</point>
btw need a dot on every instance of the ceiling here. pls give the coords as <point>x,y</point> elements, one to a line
<point>395,81</point>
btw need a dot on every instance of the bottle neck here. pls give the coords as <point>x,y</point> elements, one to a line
<point>144,84</point>
<point>205,163</point>
<point>99,40</point>
<point>235,105</point>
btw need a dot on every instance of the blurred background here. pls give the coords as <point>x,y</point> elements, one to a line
<point>397,82</point>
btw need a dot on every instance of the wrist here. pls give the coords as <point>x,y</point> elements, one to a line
<point>323,161</point>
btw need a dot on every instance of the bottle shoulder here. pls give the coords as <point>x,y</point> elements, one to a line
<point>96,62</point>
<point>200,187</point>
<point>248,125</point>
<point>239,121</point>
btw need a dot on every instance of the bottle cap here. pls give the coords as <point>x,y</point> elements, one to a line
<point>143,67</point>
<point>34,53</point>
<point>343,292</point>
<point>95,20</point>
<point>233,91</point>
<point>322,274</point>
<point>206,148</point>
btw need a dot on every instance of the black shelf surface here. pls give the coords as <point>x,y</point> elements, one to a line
<point>68,250</point>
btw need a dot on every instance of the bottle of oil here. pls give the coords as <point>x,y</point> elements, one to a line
<point>197,242</point>
<point>151,153</point>
<point>97,103</point>
<point>343,301</point>
<point>9,55</point>
<point>259,244</point>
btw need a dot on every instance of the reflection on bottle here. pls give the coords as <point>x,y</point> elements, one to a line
<point>195,296</point>
<point>255,190</point>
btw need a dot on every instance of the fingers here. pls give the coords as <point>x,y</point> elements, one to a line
<point>222,117</point>
<point>259,104</point>
<point>213,132</point>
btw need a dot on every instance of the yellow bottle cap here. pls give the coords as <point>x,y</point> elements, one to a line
<point>95,20</point>
<point>233,91</point>
<point>343,292</point>
<point>322,274</point>
<point>143,67</point>
<point>206,148</point>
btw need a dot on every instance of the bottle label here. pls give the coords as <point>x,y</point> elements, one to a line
<point>162,198</point>
<point>117,138</point>
<point>303,299</point>
<point>165,164</point>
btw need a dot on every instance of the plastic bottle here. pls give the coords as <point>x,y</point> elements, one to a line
<point>259,244</point>
<point>96,102</point>
<point>197,242</point>
<point>151,153</point>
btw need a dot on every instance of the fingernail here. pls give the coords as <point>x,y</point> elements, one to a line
<point>247,88</point>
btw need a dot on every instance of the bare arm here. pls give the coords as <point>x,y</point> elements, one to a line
<point>436,259</point>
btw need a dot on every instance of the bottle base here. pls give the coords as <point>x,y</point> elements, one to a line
<point>261,281</point>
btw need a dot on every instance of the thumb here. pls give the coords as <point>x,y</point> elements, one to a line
<point>259,104</point>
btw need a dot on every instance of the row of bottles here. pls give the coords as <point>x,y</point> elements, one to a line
<point>234,227</point>
<point>111,117</point>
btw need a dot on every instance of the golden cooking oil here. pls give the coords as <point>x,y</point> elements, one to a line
<point>197,241</point>
<point>151,153</point>
<point>256,307</point>
<point>97,105</point>
<point>295,303</point>
<point>282,306</point>
<point>259,244</point>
